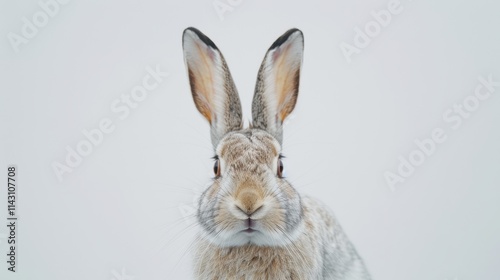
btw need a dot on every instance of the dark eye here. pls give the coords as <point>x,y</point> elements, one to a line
<point>217,168</point>
<point>280,168</point>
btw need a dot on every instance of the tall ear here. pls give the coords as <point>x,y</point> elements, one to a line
<point>277,85</point>
<point>212,86</point>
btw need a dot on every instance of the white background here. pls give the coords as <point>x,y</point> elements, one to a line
<point>121,212</point>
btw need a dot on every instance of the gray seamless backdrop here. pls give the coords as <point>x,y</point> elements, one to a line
<point>123,211</point>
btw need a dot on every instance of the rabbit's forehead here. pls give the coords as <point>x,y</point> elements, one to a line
<point>248,145</point>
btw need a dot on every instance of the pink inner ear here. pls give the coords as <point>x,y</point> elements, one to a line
<point>210,53</point>
<point>202,74</point>
<point>277,52</point>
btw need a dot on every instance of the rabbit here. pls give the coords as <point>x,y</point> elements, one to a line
<point>253,224</point>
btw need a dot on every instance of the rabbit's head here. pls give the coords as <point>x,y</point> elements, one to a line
<point>249,201</point>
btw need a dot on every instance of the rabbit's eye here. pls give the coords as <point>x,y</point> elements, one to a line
<point>216,168</point>
<point>280,168</point>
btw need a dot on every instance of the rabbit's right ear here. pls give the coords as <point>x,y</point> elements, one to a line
<point>212,86</point>
<point>277,85</point>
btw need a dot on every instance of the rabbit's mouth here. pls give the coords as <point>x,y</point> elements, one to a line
<point>249,230</point>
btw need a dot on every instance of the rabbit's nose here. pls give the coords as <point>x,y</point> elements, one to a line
<point>249,213</point>
<point>248,202</point>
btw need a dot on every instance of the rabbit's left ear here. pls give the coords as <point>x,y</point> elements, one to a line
<point>212,86</point>
<point>277,85</point>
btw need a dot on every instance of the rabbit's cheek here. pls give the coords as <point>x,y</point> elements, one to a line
<point>275,220</point>
<point>212,191</point>
<point>225,220</point>
<point>206,211</point>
